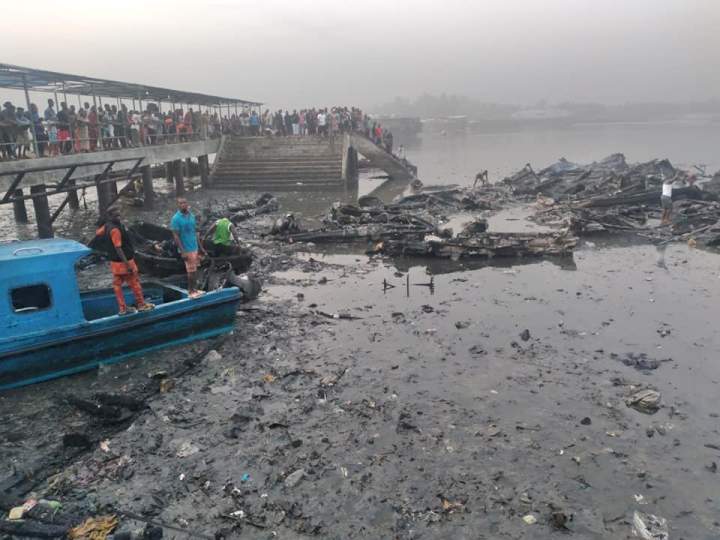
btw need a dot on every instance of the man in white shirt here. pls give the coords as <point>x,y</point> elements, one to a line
<point>666,199</point>
<point>322,123</point>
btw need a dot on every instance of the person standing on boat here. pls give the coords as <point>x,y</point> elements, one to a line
<point>122,262</point>
<point>187,238</point>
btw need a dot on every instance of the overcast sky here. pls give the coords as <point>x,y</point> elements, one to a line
<point>298,52</point>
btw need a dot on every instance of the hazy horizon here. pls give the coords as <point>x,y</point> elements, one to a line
<point>322,52</point>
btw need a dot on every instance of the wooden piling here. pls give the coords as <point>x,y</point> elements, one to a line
<point>188,167</point>
<point>147,183</point>
<point>169,172</point>
<point>104,197</point>
<point>203,164</point>
<point>179,181</point>
<point>72,195</point>
<point>19,207</point>
<point>42,211</point>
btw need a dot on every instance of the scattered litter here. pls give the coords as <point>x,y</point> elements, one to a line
<point>294,478</point>
<point>645,401</point>
<point>96,528</point>
<point>19,511</point>
<point>187,449</point>
<point>650,527</point>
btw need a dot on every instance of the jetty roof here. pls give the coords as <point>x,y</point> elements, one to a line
<point>39,80</point>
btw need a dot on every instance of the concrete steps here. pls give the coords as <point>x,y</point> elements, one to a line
<point>281,164</point>
<point>381,159</point>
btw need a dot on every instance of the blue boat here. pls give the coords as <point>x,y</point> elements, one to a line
<point>51,328</point>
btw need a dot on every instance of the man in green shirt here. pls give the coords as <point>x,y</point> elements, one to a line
<point>224,236</point>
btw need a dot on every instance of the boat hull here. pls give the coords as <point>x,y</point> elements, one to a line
<point>112,339</point>
<point>158,266</point>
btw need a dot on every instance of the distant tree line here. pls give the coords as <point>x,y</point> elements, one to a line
<point>444,105</point>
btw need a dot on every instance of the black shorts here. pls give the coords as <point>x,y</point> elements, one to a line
<point>221,250</point>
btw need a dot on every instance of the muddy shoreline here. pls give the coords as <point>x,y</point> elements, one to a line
<point>427,413</point>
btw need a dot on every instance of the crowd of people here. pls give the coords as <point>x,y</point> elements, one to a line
<point>322,122</point>
<point>67,129</point>
<point>87,128</point>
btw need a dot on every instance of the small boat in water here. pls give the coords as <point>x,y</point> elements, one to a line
<point>157,255</point>
<point>51,329</point>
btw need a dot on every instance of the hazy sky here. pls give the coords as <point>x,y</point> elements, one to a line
<point>297,52</point>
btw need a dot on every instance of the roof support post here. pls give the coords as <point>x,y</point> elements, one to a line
<point>29,114</point>
<point>97,118</point>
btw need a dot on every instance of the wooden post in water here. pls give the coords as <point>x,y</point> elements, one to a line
<point>104,197</point>
<point>179,181</point>
<point>73,196</point>
<point>188,167</point>
<point>169,172</point>
<point>42,211</point>
<point>203,164</point>
<point>19,207</point>
<point>112,190</point>
<point>147,182</point>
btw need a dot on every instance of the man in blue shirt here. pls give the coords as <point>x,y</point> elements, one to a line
<point>187,238</point>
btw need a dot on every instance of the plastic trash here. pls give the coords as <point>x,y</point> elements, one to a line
<point>650,527</point>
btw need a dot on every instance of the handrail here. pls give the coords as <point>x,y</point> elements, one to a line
<point>35,249</point>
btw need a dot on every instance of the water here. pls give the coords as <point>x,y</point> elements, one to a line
<point>457,158</point>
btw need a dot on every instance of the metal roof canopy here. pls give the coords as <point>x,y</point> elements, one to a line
<point>38,80</point>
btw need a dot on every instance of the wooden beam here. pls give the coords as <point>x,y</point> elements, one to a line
<point>13,187</point>
<point>60,209</point>
<point>67,176</point>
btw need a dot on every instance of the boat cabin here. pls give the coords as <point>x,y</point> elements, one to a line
<point>39,288</point>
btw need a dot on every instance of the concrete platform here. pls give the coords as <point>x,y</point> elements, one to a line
<point>36,170</point>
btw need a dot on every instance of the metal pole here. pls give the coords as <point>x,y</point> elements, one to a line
<point>64,93</point>
<point>98,126</point>
<point>32,123</point>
